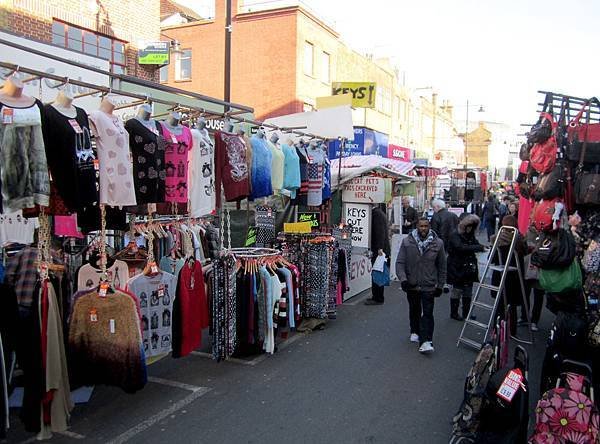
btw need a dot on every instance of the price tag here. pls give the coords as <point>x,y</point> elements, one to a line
<point>103,289</point>
<point>7,116</point>
<point>161,290</point>
<point>93,315</point>
<point>111,326</point>
<point>96,164</point>
<point>511,385</point>
<point>75,125</point>
<point>153,267</point>
<point>173,138</point>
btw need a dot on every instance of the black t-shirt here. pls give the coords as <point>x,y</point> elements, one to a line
<point>148,152</point>
<point>70,156</point>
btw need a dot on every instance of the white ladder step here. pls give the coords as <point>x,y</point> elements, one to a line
<point>483,305</point>
<point>470,342</point>
<point>489,287</point>
<point>476,324</point>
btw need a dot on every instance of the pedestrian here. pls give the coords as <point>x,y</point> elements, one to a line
<point>443,221</point>
<point>503,207</point>
<point>462,264</point>
<point>421,269</point>
<point>380,244</point>
<point>490,212</point>
<point>512,283</point>
<point>513,210</point>
<point>409,216</point>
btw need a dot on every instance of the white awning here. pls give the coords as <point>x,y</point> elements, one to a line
<point>328,123</point>
<point>355,166</point>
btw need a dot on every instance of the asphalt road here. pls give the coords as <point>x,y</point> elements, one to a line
<point>358,381</point>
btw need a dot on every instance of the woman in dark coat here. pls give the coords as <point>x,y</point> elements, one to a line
<point>462,264</point>
<point>490,210</point>
<point>512,285</point>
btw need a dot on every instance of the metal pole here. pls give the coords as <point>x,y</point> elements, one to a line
<point>227,79</point>
<point>466,148</point>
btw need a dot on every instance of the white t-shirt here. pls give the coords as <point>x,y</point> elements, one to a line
<point>116,171</point>
<point>14,228</point>
<point>201,174</point>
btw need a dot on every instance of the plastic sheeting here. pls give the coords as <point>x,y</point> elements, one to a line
<point>355,166</point>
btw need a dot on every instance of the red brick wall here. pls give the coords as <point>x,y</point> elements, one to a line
<point>263,59</point>
<point>128,20</point>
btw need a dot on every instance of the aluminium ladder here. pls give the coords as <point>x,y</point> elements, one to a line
<point>504,267</point>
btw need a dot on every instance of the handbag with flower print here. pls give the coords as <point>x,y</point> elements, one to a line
<point>567,414</point>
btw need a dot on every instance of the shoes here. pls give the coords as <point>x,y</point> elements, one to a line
<point>534,327</point>
<point>457,317</point>
<point>373,302</point>
<point>414,337</point>
<point>426,347</point>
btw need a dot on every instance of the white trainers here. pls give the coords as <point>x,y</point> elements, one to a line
<point>426,347</point>
<point>534,327</point>
<point>414,337</point>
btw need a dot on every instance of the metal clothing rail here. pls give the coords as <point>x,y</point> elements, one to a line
<point>253,253</point>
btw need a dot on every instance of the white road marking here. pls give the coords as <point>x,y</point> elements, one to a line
<point>71,434</point>
<point>176,384</point>
<point>129,434</point>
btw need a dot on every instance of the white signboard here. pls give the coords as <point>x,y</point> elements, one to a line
<point>365,189</point>
<point>359,216</point>
<point>48,93</point>
<point>360,274</point>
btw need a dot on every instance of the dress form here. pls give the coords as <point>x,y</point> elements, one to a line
<point>12,93</point>
<point>172,123</point>
<point>260,133</point>
<point>64,104</point>
<point>228,126</point>
<point>143,116</point>
<point>201,124</point>
<point>107,105</point>
<point>274,138</point>
<point>240,130</point>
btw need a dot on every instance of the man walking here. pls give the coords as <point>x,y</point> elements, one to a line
<point>409,216</point>
<point>443,221</point>
<point>421,268</point>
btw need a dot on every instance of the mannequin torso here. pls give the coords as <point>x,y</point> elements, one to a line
<point>64,105</point>
<point>12,94</point>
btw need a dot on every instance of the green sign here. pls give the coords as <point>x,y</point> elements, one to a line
<point>251,237</point>
<point>312,217</point>
<point>154,54</point>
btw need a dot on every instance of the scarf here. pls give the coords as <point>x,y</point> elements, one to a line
<point>423,244</point>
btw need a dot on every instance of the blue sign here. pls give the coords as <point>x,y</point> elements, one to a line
<point>421,162</point>
<point>365,142</point>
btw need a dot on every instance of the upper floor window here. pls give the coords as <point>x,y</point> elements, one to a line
<point>183,65</point>
<point>91,43</point>
<point>309,55</point>
<point>325,67</point>
<point>164,73</point>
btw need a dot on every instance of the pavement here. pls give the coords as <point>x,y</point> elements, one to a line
<point>358,381</point>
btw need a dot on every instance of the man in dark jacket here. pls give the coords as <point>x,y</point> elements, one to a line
<point>462,264</point>
<point>409,216</point>
<point>443,221</point>
<point>380,244</point>
<point>421,268</point>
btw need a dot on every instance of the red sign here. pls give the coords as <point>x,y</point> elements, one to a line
<point>399,153</point>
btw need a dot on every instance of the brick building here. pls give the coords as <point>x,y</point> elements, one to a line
<point>110,30</point>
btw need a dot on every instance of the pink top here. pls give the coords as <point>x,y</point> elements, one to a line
<point>177,151</point>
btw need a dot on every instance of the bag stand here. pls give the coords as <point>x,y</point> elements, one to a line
<point>487,310</point>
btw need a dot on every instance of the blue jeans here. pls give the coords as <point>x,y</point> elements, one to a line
<point>420,312</point>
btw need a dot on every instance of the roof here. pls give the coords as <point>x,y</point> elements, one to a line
<point>186,12</point>
<point>354,166</point>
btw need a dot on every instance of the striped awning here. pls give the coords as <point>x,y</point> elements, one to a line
<point>355,166</point>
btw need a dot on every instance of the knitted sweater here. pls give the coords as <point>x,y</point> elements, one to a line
<point>105,342</point>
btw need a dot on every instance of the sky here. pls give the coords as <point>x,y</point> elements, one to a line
<point>497,53</point>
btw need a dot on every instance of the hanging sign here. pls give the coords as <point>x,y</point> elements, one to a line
<point>365,189</point>
<point>312,217</point>
<point>250,237</point>
<point>363,93</point>
<point>399,153</point>
<point>358,215</point>
<point>155,53</point>
<point>511,385</point>
<point>297,227</point>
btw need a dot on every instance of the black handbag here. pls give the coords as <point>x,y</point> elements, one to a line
<point>541,131</point>
<point>587,184</point>
<point>554,250</point>
<point>524,152</point>
<point>552,184</point>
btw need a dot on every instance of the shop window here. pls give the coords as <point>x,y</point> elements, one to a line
<point>91,43</point>
<point>325,67</point>
<point>164,73</point>
<point>309,55</point>
<point>183,65</point>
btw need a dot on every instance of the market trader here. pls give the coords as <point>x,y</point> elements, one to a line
<point>421,268</point>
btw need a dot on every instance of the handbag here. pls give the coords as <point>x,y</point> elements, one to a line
<point>578,131</point>
<point>561,280</point>
<point>542,216</point>
<point>381,278</point>
<point>591,258</point>
<point>541,131</point>
<point>554,250</point>
<point>552,184</point>
<point>587,184</point>
<point>542,155</point>
<point>531,271</point>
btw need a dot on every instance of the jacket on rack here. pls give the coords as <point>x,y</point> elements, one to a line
<point>462,261</point>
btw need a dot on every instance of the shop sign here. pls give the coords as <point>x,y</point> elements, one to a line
<point>49,88</point>
<point>363,93</point>
<point>421,162</point>
<point>359,217</point>
<point>297,227</point>
<point>360,275</point>
<point>155,53</point>
<point>312,217</point>
<point>399,153</point>
<point>365,142</point>
<point>365,189</point>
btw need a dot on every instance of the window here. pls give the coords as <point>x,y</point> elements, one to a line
<point>164,73</point>
<point>325,67</point>
<point>88,42</point>
<point>309,50</point>
<point>183,65</point>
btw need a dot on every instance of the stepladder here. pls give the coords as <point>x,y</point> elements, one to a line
<point>491,297</point>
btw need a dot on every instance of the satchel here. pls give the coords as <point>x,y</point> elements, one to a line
<point>542,216</point>
<point>542,156</point>
<point>578,131</point>
<point>554,250</point>
<point>531,271</point>
<point>587,188</point>
<point>591,258</point>
<point>552,184</point>
<point>541,131</point>
<point>561,280</point>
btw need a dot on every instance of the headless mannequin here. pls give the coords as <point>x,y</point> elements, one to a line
<point>143,116</point>
<point>274,138</point>
<point>64,104</point>
<point>228,126</point>
<point>172,123</point>
<point>260,133</point>
<point>107,106</point>
<point>12,94</point>
<point>201,123</point>
<point>241,131</point>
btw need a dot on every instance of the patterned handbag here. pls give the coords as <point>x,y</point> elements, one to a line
<point>591,258</point>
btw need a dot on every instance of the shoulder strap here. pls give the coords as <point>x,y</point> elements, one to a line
<point>585,142</point>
